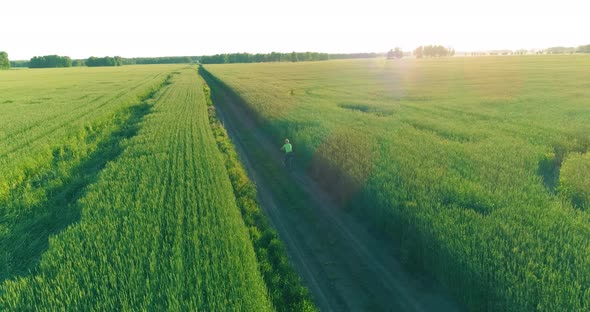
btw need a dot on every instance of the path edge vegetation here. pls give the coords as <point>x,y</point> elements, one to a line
<point>285,287</point>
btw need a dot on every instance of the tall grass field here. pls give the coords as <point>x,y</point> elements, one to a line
<point>115,196</point>
<point>477,168</point>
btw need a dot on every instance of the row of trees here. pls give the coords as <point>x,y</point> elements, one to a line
<point>419,52</point>
<point>570,50</point>
<point>4,62</point>
<point>395,54</point>
<point>104,61</point>
<point>20,63</point>
<point>261,58</point>
<point>161,60</point>
<point>50,61</point>
<point>119,61</point>
<point>433,51</point>
<point>559,50</point>
<point>354,55</point>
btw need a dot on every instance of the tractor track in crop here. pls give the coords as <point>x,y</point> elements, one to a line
<point>346,267</point>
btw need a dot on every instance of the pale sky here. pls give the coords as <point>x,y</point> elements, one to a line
<point>83,28</point>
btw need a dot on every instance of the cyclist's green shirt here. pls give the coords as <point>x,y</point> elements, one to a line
<point>288,148</point>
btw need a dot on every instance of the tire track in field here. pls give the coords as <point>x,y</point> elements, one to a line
<point>345,267</point>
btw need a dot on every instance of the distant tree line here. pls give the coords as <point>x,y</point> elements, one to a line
<point>433,51</point>
<point>500,52</point>
<point>560,50</point>
<point>4,61</point>
<point>566,50</point>
<point>161,60</point>
<point>551,50</point>
<point>50,61</point>
<point>354,55</point>
<point>19,63</point>
<point>262,58</point>
<point>119,61</point>
<point>395,54</point>
<point>420,52</point>
<point>104,61</point>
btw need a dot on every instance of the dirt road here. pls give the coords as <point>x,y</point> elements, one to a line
<point>345,267</point>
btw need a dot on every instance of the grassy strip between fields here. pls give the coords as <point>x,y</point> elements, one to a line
<point>286,291</point>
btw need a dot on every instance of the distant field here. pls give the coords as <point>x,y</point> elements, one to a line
<point>477,167</point>
<point>115,196</point>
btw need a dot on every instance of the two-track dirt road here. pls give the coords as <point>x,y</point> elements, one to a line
<point>345,267</point>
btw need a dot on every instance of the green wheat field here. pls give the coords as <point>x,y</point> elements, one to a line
<point>119,189</point>
<point>478,167</point>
